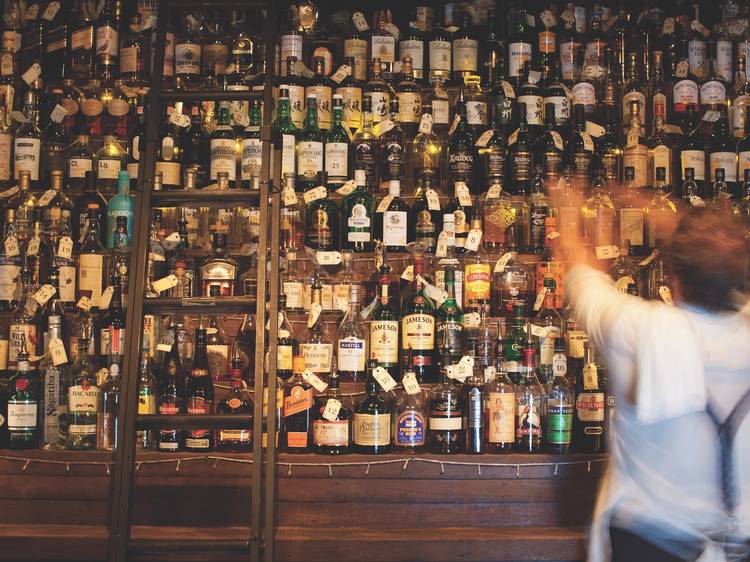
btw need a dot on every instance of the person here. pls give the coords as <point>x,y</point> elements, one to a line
<point>677,487</point>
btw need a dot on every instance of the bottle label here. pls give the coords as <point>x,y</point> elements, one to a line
<point>351,103</point>
<point>559,422</point>
<point>188,58</point>
<point>297,439</point>
<point>410,429</point>
<point>695,159</point>
<point>359,224</point>
<point>631,226</point>
<point>5,160</point>
<point>77,167</point>
<point>372,429</point>
<point>10,270</point>
<point>568,61</point>
<point>724,59</point>
<point>297,104</point>
<point>21,415</point>
<point>415,50</point>
<point>477,283</point>
<point>744,164</point>
<point>726,160</point>
<point>521,166</point>
<point>394,228</point>
<point>685,93</point>
<point>384,341</point>
<point>442,419</point>
<point>129,60</point>
<point>284,357</point>
<point>337,160</point>
<point>299,400</point>
<point>324,95</point>
<point>108,169</point>
<point>218,359</point>
<point>584,93</point>
<point>90,275</point>
<point>380,102</point>
<point>223,158</point>
<point>534,109</point>
<point>409,107</point>
<point>242,436</point>
<point>476,112</point>
<point>637,157</point>
<point>288,155</point>
<point>519,53</point>
<point>26,157</point>
<point>384,48</point>
<point>661,157</point>
<point>14,342</point>
<point>713,92</point>
<point>501,410</point>
<point>418,332</point>
<point>82,39</point>
<point>697,58</point>
<point>590,406</point>
<point>331,434</point>
<point>294,292</point>
<point>547,42</point>
<point>562,106</point>
<point>627,99</point>
<point>440,56</point>
<point>291,46</point>
<point>170,172</point>
<point>146,402</point>
<point>106,42</point>
<point>83,398</point>
<point>440,112</point>
<point>309,159</point>
<point>252,158</point>
<point>529,420</point>
<point>317,356</point>
<point>465,55</point>
<point>351,355</point>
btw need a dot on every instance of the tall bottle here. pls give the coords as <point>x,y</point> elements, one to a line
<point>146,398</point>
<point>529,403</point>
<point>199,395</point>
<point>357,215</point>
<point>418,328</point>
<point>310,148</point>
<point>447,433</point>
<point>560,403</point>
<point>223,147</point>
<point>24,323</point>
<point>91,260</point>
<point>236,440</point>
<point>332,436</point>
<point>285,126</point>
<point>384,328</point>
<point>83,401</point>
<point>337,147</point>
<point>23,404</point>
<point>352,347</point>
<point>27,145</point>
<point>460,150</point>
<point>366,148</point>
<point>171,398</point>
<point>298,409</point>
<point>501,409</point>
<point>372,419</point>
<point>474,399</point>
<point>588,424</point>
<point>54,380</point>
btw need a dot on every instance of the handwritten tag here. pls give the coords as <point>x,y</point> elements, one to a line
<point>84,303</point>
<point>666,295</point>
<point>552,235</point>
<point>18,117</point>
<point>44,294</point>
<point>9,192</point>
<point>594,129</point>
<point>384,378</point>
<point>463,195</point>
<point>65,247</point>
<point>384,126</point>
<point>366,311</point>
<point>347,188</point>
<point>507,89</point>
<point>32,73</point>
<point>393,30</point>
<point>464,368</point>
<point>651,257</point>
<point>503,262</point>
<point>411,385</point>
<point>711,116</point>
<point>171,241</point>
<point>165,283</point>
<point>341,72</point>
<point>332,409</point>
<point>607,252</point>
<point>441,249</point>
<point>58,114</point>
<point>315,310</point>
<point>57,351</point>
<point>557,139</point>
<point>314,194</point>
<point>425,124</point>
<point>472,319</point>
<point>484,138</point>
<point>473,239</point>
<point>49,14</point>
<point>106,297</point>
<point>385,202</point>
<point>46,197</point>
<point>314,380</point>
<point>433,200</point>
<point>541,331</point>
<point>588,142</point>
<point>289,197</point>
<point>433,293</point>
<point>513,137</point>
<point>408,273</point>
<point>539,300</point>
<point>358,18</point>
<point>667,28</point>
<point>328,258</point>
<point>11,246</point>
<point>494,191</point>
<point>696,201</point>
<point>456,121</point>
<point>32,249</point>
<point>696,25</point>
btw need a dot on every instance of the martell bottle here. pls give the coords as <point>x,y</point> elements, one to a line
<point>199,395</point>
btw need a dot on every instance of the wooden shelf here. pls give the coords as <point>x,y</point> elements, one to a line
<point>198,305</point>
<point>204,196</point>
<point>212,95</point>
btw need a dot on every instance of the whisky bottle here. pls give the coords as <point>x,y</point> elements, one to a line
<point>217,347</point>
<point>109,163</point>
<point>502,100</point>
<point>520,155</point>
<point>316,344</point>
<point>413,43</point>
<point>27,145</point>
<point>235,440</point>
<point>722,152</point>
<point>80,161</point>
<point>56,144</point>
<point>60,240</point>
<point>530,399</point>
<point>409,100</point>
<point>741,100</point>
<point>222,147</point>
<point>284,124</point>
<point>632,90</point>
<point>630,218</point>
<point>10,264</point>
<point>460,149</point>
<point>383,48</point>
<point>83,402</point>
<point>418,328</point>
<point>440,48</point>
<point>447,434</point>
<point>107,42</point>
<point>555,94</point>
<point>322,88</point>
<point>459,206</point>
<point>393,145</point>
<point>531,95</point>
<point>357,212</point>
<point>427,147</point>
<point>378,92</point>
<point>132,55</point>
<point>465,50</point>
<point>337,147</point>
<point>332,436</point>
<point>476,106</point>
<point>598,214</point>
<point>322,231</point>
<point>392,219</point>
<point>310,148</point>
<point>449,322</point>
<point>549,147</point>
<point>372,419</point>
<point>549,319</point>
<point>410,417</point>
<point>298,410</point>
<point>352,349</point>
<point>424,222</point>
<point>520,44</point>
<point>24,403</point>
<point>146,398</point>
<point>350,90</point>
<point>492,48</point>
<point>692,149</point>
<point>685,90</point>
<point>355,47</point>
<point>188,52</point>
<point>477,270</point>
<point>181,264</point>
<point>609,148</point>
<point>539,214</point>
<point>81,43</point>
<point>220,271</point>
<point>384,328</point>
<point>366,148</point>
<point>659,146</point>
<point>199,395</point>
<point>23,332</point>
<point>580,149</point>
<point>713,88</point>
<point>169,152</point>
<point>660,211</point>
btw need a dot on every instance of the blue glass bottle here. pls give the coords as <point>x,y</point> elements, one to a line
<point>121,205</point>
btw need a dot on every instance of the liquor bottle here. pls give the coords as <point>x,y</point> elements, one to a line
<point>412,45</point>
<point>171,397</point>
<point>530,399</point>
<point>169,153</point>
<point>660,211</point>
<point>555,94</point>
<point>393,146</point>
<point>355,47</point>
<point>109,163</point>
<point>459,208</point>
<point>188,52</point>
<point>520,44</point>
<point>438,100</point>
<point>222,147</point>
<point>418,328</point>
<point>477,271</point>
<point>539,214</point>
<point>121,205</point>
<point>366,148</point>
<point>685,89</point>
<point>409,100</point>
<point>219,273</point>
<point>588,423</point>
<point>514,341</point>
<point>549,319</point>
<point>383,47</point>
<point>476,106</point>
<point>53,378</point>
<point>692,148</point>
<point>199,395</point>
<point>384,328</point>
<point>598,214</point>
<point>636,150</point>
<point>80,161</point>
<point>460,148</point>
<point>23,323</point>
<point>107,42</point>
<point>357,212</point>
<point>570,44</point>
<point>609,149</point>
<point>392,219</point>
<point>27,144</point>
<point>440,47</point>
<point>722,152</point>
<point>447,434</point>
<point>23,404</point>
<point>310,148</point>
<point>657,92</point>
<point>449,321</point>
<point>38,253</point>
<point>132,55</point>
<point>235,440</point>
<point>713,88</point>
<point>252,149</point>
<point>6,145</point>
<point>352,351</point>
<point>549,147</point>
<point>660,146</point>
<point>410,416</point>
<point>743,152</point>
<point>492,47</point>
<point>10,264</point>
<point>337,147</point>
<point>332,436</point>
<point>560,403</point>
<point>350,90</point>
<point>60,240</point>
<point>427,147</point>
<point>56,144</point>
<point>475,401</point>
<point>316,344</point>
<point>424,221</point>
<point>91,261</point>
<point>83,401</point>
<point>531,95</point>
<point>372,419</point>
<point>465,50</point>
<point>81,42</point>
<point>322,231</point>
<point>181,264</point>
<point>630,218</point>
<point>610,87</point>
<point>146,398</point>
<point>298,410</point>
<point>585,87</point>
<point>741,100</point>
<point>285,126</point>
<point>378,92</point>
<point>632,90</point>
<point>501,409</point>
<point>520,155</point>
<point>322,88</point>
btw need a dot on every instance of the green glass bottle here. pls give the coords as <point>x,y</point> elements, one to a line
<point>23,404</point>
<point>337,147</point>
<point>450,321</point>
<point>222,147</point>
<point>252,149</point>
<point>513,344</point>
<point>83,401</point>
<point>284,125</point>
<point>372,419</point>
<point>357,214</point>
<point>384,328</point>
<point>322,230</point>
<point>309,147</point>
<point>418,328</point>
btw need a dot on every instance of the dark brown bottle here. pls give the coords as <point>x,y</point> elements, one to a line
<point>171,398</point>
<point>235,440</point>
<point>200,395</point>
<point>298,410</point>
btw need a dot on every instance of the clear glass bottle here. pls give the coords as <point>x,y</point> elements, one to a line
<point>83,402</point>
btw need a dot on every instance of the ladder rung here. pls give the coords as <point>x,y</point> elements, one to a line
<point>143,545</point>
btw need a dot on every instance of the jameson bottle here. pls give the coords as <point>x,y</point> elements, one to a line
<point>384,328</point>
<point>23,404</point>
<point>418,328</point>
<point>199,395</point>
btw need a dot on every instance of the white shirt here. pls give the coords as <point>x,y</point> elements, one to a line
<point>664,364</point>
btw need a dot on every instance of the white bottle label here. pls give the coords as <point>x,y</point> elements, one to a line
<point>695,159</point>
<point>440,112</point>
<point>351,354</point>
<point>465,55</point>
<point>223,158</point>
<point>519,54</point>
<point>297,103</point>
<point>309,158</point>
<point>21,415</point>
<point>106,41</point>
<point>440,56</point>
<point>380,102</point>
<point>383,48</point>
<point>188,58</point>
<point>685,92</point>
<point>170,172</point>
<point>743,164</point>
<point>415,50</point>
<point>337,159</point>
<point>562,106</point>
<point>9,276</point>
<point>108,169</point>
<point>26,157</point>
<point>629,98</point>
<point>584,93</point>
<point>252,158</point>
<point>129,59</point>
<point>288,155</point>
<point>291,46</point>
<point>724,59</point>
<point>697,57</point>
<point>77,167</point>
<point>409,107</point>
<point>713,92</point>
<point>534,109</point>
<point>726,160</point>
<point>394,228</point>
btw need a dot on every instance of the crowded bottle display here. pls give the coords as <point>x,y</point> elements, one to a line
<point>434,166</point>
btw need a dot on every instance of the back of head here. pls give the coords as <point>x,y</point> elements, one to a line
<point>708,254</point>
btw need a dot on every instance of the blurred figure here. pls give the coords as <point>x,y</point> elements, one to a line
<point>678,484</point>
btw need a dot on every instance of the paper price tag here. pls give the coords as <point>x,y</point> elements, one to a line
<point>341,72</point>
<point>666,295</point>
<point>472,319</point>
<point>171,241</point>
<point>242,119</point>
<point>425,124</point>
<point>464,368</point>
<point>667,27</point>
<point>328,258</point>
<point>594,129</point>
<point>454,124</point>
<point>359,21</point>
<point>473,240</point>
<point>332,409</point>
<point>411,385</point>
<point>384,126</point>
<point>548,19</point>
<point>46,197</point>
<point>165,283</point>
<point>65,247</point>
<point>651,257</point>
<point>588,142</point>
<point>632,140</point>
<point>11,246</point>
<point>623,282</point>
<point>58,114</point>
<point>393,30</point>
<point>289,197</point>
<point>696,25</point>
<point>314,194</point>
<point>84,303</point>
<point>44,294</point>
<point>32,73</point>
<point>494,191</point>
<point>18,117</point>
<point>558,140</point>
<point>384,378</point>
<point>672,129</point>
<point>314,380</point>
<point>607,252</point>
<point>441,249</point>
<point>49,14</point>
<point>385,202</point>
<point>484,138</point>
<point>552,235</point>
<point>106,297</point>
<point>433,200</point>
<point>408,273</point>
<point>32,249</point>
<point>166,342</point>
<point>433,293</point>
<point>179,119</point>
<point>590,377</point>
<point>530,20</point>
<point>463,194</point>
<point>711,116</point>
<point>503,262</point>
<point>540,331</point>
<point>347,188</point>
<point>539,300</point>
<point>9,192</point>
<point>57,351</point>
<point>315,310</point>
<point>513,137</point>
<point>365,314</point>
<point>534,76</point>
<point>508,89</point>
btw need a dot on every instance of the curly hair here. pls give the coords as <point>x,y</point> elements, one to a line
<point>708,253</point>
